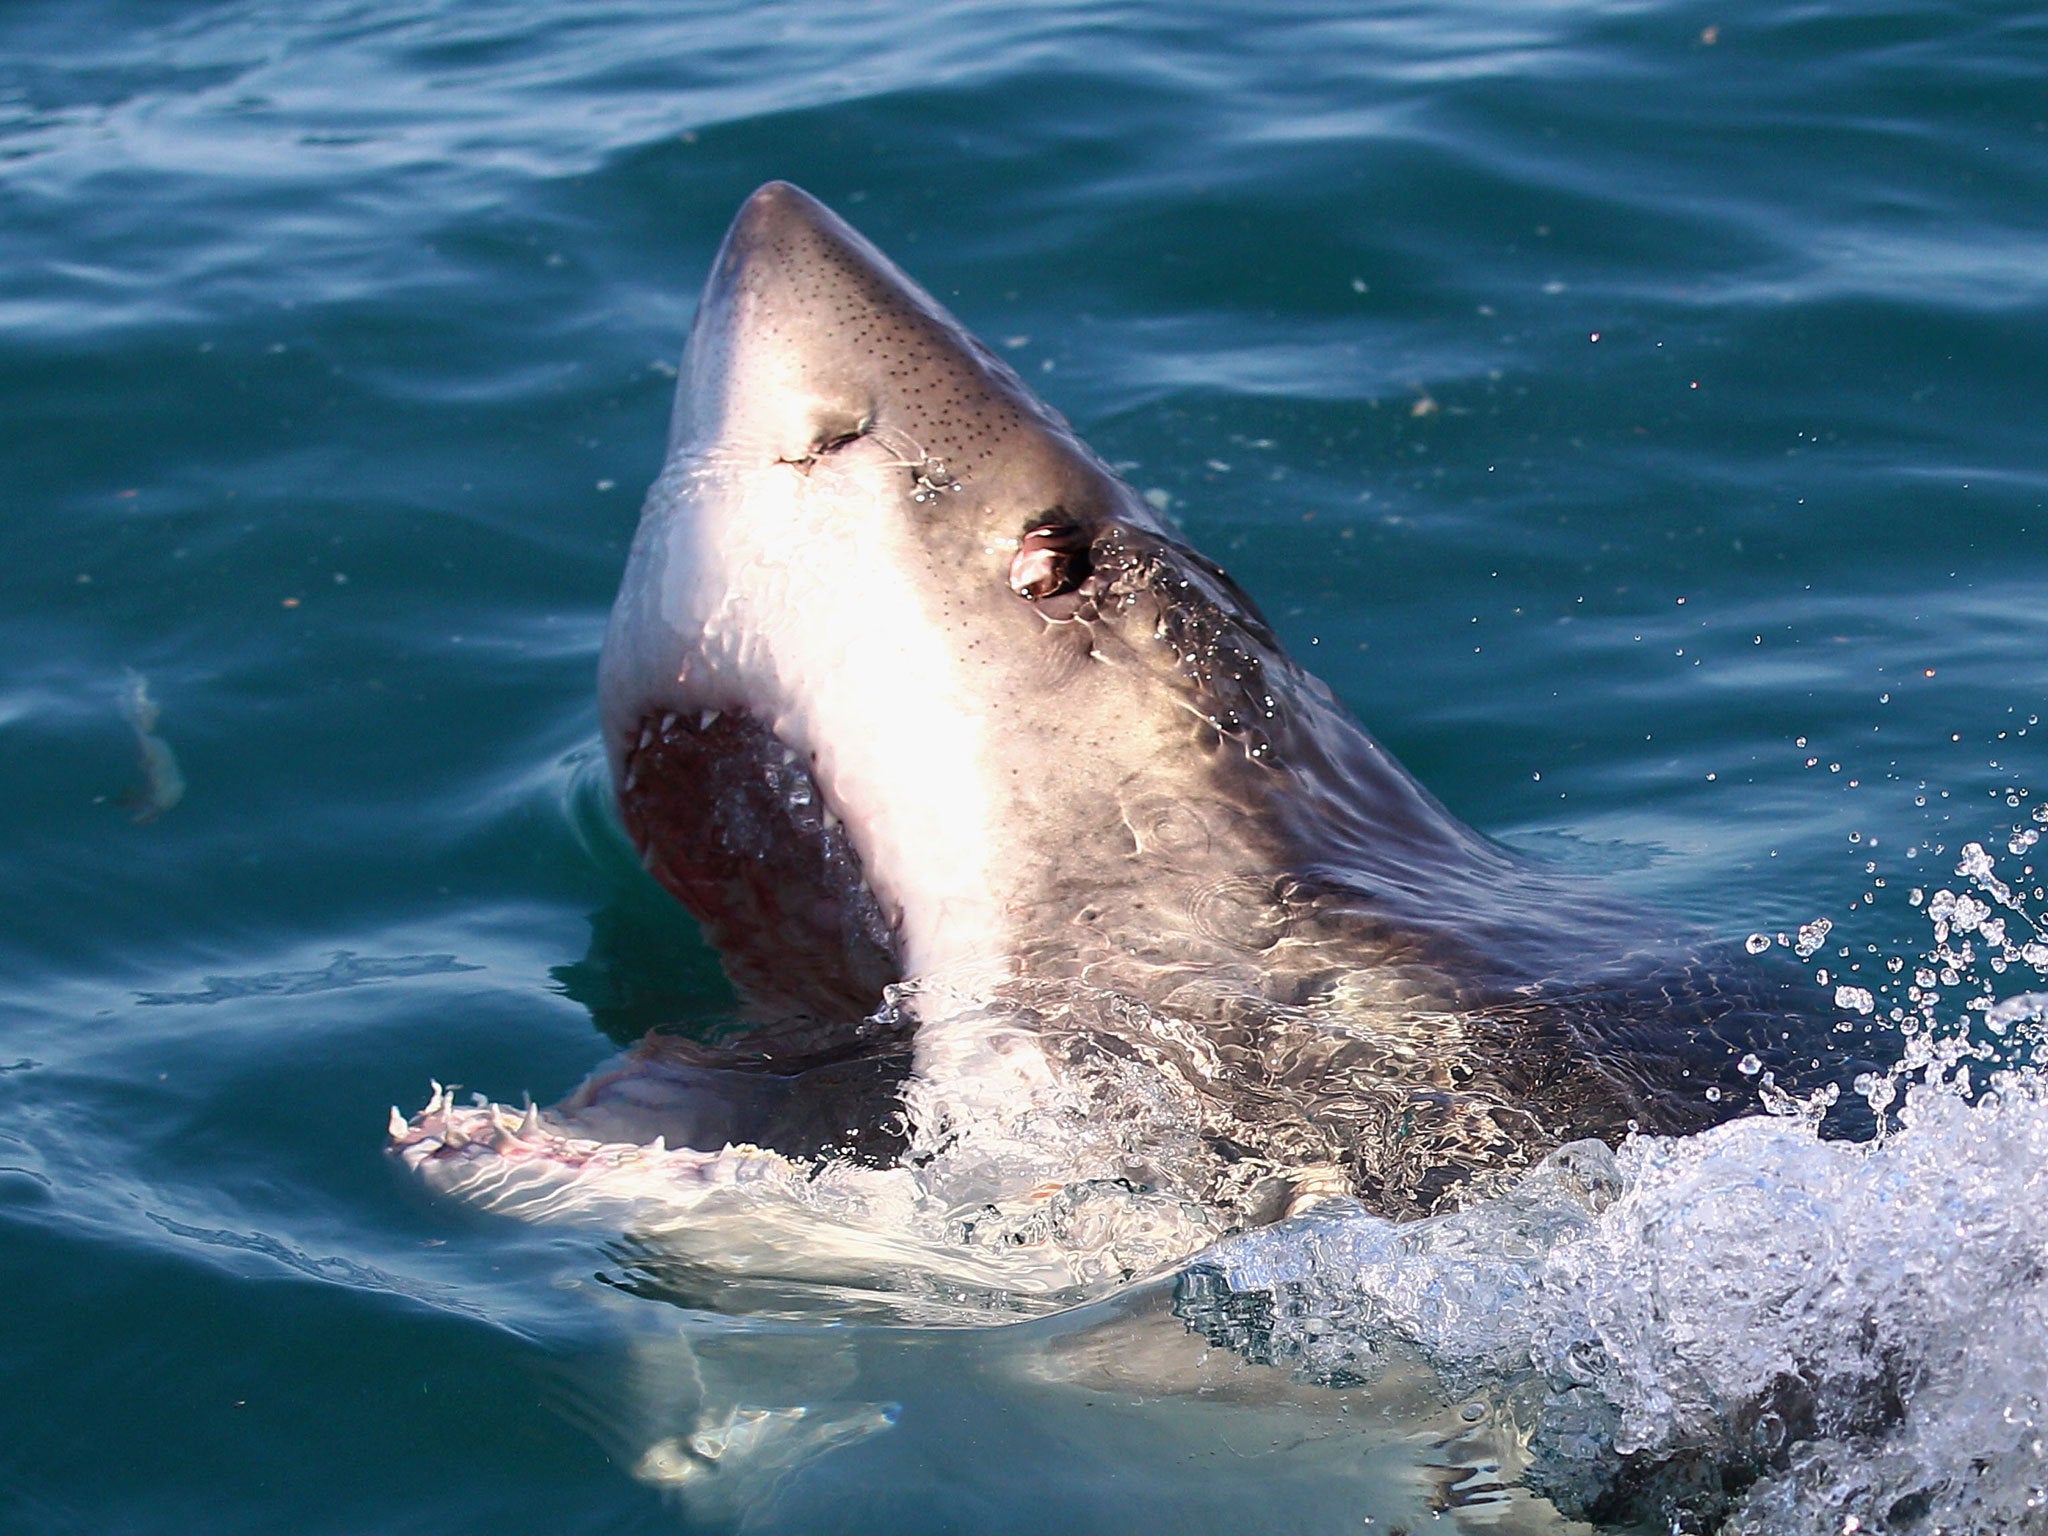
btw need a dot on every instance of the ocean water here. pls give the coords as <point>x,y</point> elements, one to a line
<point>1633,411</point>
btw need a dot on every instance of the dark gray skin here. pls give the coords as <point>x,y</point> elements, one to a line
<point>904,683</point>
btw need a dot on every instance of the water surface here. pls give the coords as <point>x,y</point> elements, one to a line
<point>1633,411</point>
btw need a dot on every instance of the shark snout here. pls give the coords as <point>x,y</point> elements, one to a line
<point>766,373</point>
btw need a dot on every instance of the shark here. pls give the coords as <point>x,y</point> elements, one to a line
<point>1077,924</point>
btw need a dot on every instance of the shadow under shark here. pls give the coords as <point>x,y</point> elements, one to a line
<point>1082,925</point>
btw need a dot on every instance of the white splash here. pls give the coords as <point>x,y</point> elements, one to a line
<point>1845,1329</point>
<point>1751,1329</point>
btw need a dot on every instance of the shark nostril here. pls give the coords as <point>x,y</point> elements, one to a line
<point>1051,559</point>
<point>839,440</point>
<point>829,440</point>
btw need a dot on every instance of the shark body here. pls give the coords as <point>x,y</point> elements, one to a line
<point>1078,916</point>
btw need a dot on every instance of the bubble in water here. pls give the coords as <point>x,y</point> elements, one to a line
<point>1757,943</point>
<point>1750,1065</point>
<point>1857,998</point>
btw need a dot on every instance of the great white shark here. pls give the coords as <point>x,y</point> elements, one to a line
<point>1078,919</point>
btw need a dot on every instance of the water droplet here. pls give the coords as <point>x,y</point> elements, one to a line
<point>1811,936</point>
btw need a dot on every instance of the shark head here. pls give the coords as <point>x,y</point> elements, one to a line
<point>902,677</point>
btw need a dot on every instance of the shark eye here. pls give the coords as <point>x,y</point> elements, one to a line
<point>1051,559</point>
<point>839,440</point>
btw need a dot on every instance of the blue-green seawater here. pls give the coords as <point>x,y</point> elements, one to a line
<point>1634,411</point>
